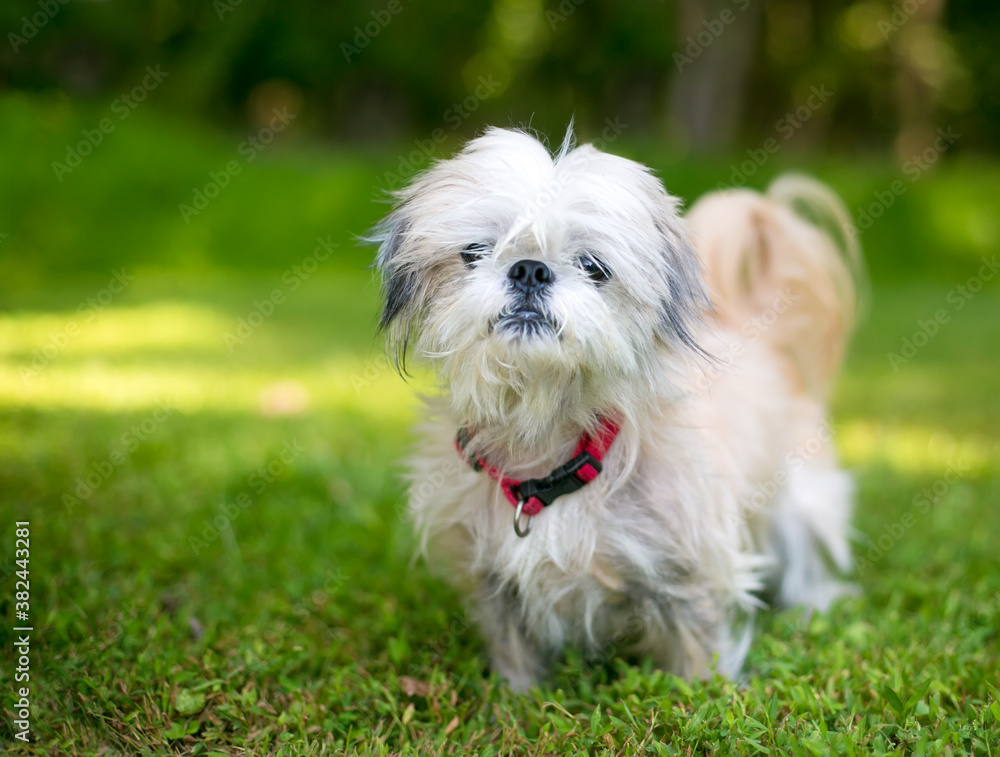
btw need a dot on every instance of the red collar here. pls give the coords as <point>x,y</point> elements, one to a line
<point>531,495</point>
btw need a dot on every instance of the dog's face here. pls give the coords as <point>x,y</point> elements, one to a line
<point>537,284</point>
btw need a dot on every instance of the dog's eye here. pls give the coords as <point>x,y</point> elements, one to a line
<point>595,269</point>
<point>474,252</point>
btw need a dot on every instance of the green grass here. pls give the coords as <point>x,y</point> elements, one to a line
<point>186,605</point>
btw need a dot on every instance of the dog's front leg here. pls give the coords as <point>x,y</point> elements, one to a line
<point>514,655</point>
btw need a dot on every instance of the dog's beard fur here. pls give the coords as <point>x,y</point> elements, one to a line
<point>667,553</point>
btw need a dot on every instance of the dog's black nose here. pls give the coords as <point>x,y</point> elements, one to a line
<point>529,275</point>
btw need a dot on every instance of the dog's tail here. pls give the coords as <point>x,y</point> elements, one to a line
<point>784,267</point>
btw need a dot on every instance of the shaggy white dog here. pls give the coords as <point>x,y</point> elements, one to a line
<point>635,401</point>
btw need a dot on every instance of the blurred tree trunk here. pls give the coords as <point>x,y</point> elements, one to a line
<point>714,51</point>
<point>917,46</point>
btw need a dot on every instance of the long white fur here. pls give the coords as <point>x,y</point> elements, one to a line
<point>669,552</point>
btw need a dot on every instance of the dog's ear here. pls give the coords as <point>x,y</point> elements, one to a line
<point>686,303</point>
<point>400,282</point>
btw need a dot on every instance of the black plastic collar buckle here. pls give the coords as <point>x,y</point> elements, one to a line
<point>562,480</point>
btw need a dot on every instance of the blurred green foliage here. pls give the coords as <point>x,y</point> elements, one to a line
<point>118,119</point>
<point>368,70</point>
<point>122,206</point>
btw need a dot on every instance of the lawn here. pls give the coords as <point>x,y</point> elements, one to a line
<point>218,560</point>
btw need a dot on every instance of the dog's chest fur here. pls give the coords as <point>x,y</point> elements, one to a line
<point>605,573</point>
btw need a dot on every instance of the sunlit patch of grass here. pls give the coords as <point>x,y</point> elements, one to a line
<point>97,330</point>
<point>133,358</point>
<point>194,388</point>
<point>912,449</point>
